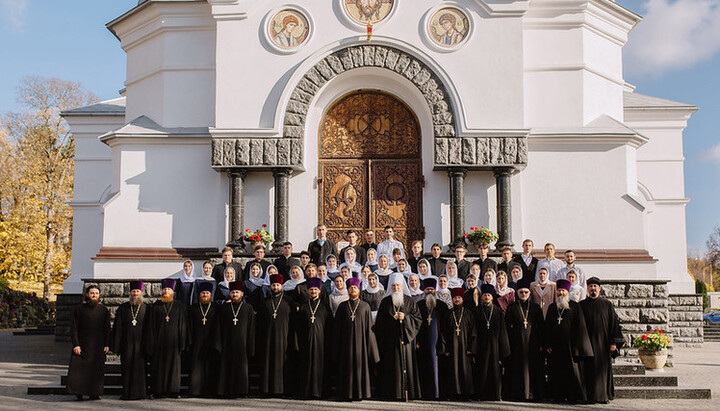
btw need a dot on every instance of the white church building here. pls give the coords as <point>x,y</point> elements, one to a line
<point>430,116</point>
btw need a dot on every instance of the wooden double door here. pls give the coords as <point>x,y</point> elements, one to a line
<point>370,167</point>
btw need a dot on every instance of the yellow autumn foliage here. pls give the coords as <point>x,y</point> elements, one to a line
<point>36,182</point>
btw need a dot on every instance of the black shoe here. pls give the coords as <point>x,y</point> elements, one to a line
<point>79,397</point>
<point>95,398</point>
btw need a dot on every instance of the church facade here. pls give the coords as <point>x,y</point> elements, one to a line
<point>429,116</point>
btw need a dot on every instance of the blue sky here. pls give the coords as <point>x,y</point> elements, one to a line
<point>674,53</point>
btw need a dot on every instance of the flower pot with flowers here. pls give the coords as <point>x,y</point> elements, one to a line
<point>259,236</point>
<point>481,235</point>
<point>652,349</point>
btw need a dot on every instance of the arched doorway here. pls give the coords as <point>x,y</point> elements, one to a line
<point>370,166</point>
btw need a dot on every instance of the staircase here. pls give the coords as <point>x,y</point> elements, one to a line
<point>711,333</point>
<point>631,381</point>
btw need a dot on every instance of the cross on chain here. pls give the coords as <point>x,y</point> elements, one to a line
<point>167,318</point>
<point>134,322</point>
<point>204,321</point>
<point>525,323</point>
<point>234,321</point>
<point>559,320</point>
<point>312,319</point>
<point>457,331</point>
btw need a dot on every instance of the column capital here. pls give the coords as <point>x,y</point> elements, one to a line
<point>503,171</point>
<point>282,171</point>
<point>238,172</point>
<point>457,171</point>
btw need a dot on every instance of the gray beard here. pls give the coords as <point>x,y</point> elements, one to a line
<point>430,301</point>
<point>563,303</point>
<point>524,299</point>
<point>398,299</point>
<point>136,300</point>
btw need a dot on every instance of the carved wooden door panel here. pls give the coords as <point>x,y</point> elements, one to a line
<point>344,197</point>
<point>370,171</point>
<point>397,198</point>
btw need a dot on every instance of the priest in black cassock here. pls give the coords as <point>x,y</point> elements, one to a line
<point>565,339</point>
<point>354,346</point>
<point>90,335</point>
<point>454,347</point>
<point>312,326</point>
<point>432,314</point>
<point>166,340</point>
<point>524,377</point>
<point>204,342</point>
<point>397,324</point>
<point>273,337</point>
<point>128,338</point>
<point>492,346</point>
<point>606,337</point>
<point>236,323</point>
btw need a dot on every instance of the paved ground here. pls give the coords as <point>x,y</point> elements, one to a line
<point>38,360</point>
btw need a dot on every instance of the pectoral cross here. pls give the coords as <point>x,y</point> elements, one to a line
<point>234,321</point>
<point>134,322</point>
<point>274,316</point>
<point>457,331</point>
<point>559,320</point>
<point>204,321</point>
<point>487,325</point>
<point>429,320</point>
<point>312,319</point>
<point>395,316</point>
<point>352,317</point>
<point>167,318</point>
<point>525,323</point>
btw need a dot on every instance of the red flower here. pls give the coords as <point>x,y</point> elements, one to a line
<point>264,225</point>
<point>247,229</point>
<point>482,226</point>
<point>644,337</point>
<point>467,235</point>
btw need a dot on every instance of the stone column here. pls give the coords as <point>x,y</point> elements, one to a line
<point>504,207</point>
<point>237,209</point>
<point>282,205</point>
<point>457,204</point>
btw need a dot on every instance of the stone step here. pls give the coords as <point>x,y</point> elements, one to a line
<point>628,369</point>
<point>682,393</point>
<point>645,381</point>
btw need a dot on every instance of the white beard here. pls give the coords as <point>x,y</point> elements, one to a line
<point>430,301</point>
<point>563,303</point>
<point>397,299</point>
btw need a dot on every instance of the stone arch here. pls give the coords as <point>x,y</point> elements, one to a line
<point>415,70</point>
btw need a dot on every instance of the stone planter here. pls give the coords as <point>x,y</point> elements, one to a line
<point>653,359</point>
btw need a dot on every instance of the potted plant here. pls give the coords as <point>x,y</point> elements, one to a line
<point>259,236</point>
<point>481,235</point>
<point>652,349</point>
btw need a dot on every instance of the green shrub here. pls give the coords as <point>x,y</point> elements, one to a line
<point>19,309</point>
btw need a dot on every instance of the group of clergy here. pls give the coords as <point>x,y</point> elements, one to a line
<point>310,324</point>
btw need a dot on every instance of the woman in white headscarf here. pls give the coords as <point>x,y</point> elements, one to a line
<point>451,273</point>
<point>414,285</point>
<point>206,278</point>
<point>577,293</point>
<point>424,270</point>
<point>350,261</point>
<point>371,261</point>
<point>295,287</point>
<point>332,268</point>
<point>184,287</point>
<point>489,277</point>
<point>505,294</point>
<point>403,268</point>
<point>383,272</point>
<point>339,294</point>
<point>373,292</point>
<point>442,292</point>
<point>257,288</point>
